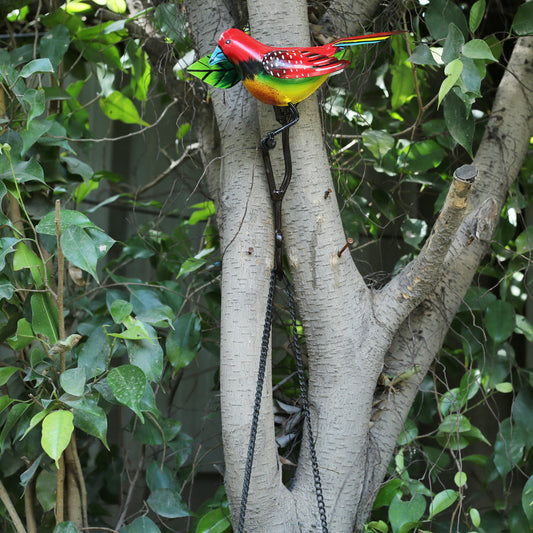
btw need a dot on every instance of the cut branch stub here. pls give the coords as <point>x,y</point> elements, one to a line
<point>466,173</point>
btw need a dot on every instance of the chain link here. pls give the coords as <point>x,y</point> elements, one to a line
<point>257,403</point>
<point>305,406</point>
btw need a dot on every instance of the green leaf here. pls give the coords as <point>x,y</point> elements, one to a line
<point>471,76</point>
<point>55,43</point>
<point>222,75</point>
<point>77,7</point>
<point>5,402</point>
<point>45,489</point>
<point>215,521</point>
<point>30,472</point>
<point>25,171</point>
<point>7,246</point>
<point>378,142</point>
<point>37,66</point>
<point>44,317</point>
<point>142,524</point>
<point>128,383</point>
<point>404,514</point>
<point>460,124</point>
<point>120,309</point>
<point>194,263</point>
<point>94,353</point>
<point>402,84</point>
<point>26,258</point>
<point>453,44</point>
<point>453,71</point>
<point>477,13</point>
<point>387,492</point>
<point>34,98</point>
<point>135,330</point>
<point>460,479</point>
<point>47,225</point>
<point>475,517</point>
<point>523,19</point>
<point>36,420</point>
<point>57,430</point>
<point>160,476</point>
<point>5,373</point>
<point>147,354</point>
<point>527,500</point>
<point>12,418</point>
<point>68,526</point>
<point>440,13</point>
<point>421,156</point>
<point>79,249</point>
<point>22,338</point>
<point>168,503</point>
<point>90,418</point>
<point>408,434</point>
<point>422,56</point>
<point>183,340</point>
<point>414,231</point>
<point>505,387</point>
<point>499,320</point>
<point>119,107</point>
<point>73,381</point>
<point>524,241</point>
<point>455,423</point>
<point>118,6</point>
<point>442,501</point>
<point>478,49</point>
<point>75,166</point>
<point>202,212</point>
<point>33,132</point>
<point>509,447</point>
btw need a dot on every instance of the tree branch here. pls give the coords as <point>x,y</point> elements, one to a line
<point>418,279</point>
<point>498,159</point>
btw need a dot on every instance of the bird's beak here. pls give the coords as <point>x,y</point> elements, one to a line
<point>217,56</point>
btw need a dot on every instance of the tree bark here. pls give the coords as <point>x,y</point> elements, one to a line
<point>351,331</point>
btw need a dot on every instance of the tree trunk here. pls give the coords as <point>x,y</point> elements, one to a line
<point>351,331</point>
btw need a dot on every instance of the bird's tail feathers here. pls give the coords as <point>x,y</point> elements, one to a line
<point>364,39</point>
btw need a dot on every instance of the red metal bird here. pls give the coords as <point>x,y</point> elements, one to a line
<point>275,76</point>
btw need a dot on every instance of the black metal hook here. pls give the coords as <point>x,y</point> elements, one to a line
<point>287,117</point>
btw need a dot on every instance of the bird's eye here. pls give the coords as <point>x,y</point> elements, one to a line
<point>228,41</point>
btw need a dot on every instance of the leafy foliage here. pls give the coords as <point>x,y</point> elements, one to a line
<point>81,345</point>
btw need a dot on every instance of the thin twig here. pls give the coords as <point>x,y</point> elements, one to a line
<point>8,504</point>
<point>60,492</point>
<point>29,506</point>
<point>120,137</point>
<point>60,281</point>
<point>189,148</point>
<point>130,493</point>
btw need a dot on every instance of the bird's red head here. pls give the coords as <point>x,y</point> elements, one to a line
<point>238,46</point>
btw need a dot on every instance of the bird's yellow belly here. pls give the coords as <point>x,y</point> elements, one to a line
<point>279,92</point>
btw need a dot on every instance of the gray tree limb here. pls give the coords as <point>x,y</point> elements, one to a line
<point>498,159</point>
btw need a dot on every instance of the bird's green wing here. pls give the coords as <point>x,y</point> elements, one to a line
<point>222,75</point>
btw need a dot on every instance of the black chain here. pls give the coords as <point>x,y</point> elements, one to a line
<point>257,404</point>
<point>305,405</point>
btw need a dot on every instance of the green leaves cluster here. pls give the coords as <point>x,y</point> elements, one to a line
<point>100,346</point>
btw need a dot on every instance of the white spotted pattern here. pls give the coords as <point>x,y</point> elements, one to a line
<point>294,64</point>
